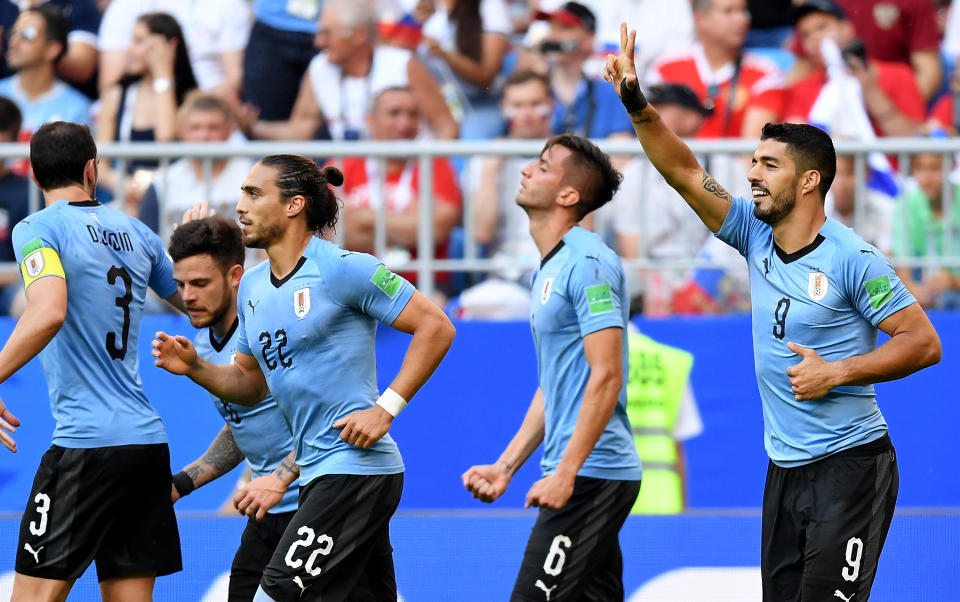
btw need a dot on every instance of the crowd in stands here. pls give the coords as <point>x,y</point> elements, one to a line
<point>227,71</point>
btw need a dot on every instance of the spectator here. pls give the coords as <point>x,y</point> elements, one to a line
<point>79,64</point>
<point>645,222</point>
<point>142,106</point>
<point>280,48</point>
<point>203,117</point>
<point>888,90</point>
<point>744,90</point>
<point>875,220</point>
<point>943,117</point>
<point>900,31</point>
<point>340,81</point>
<point>395,115</point>
<point>920,231</point>
<point>37,42</point>
<point>466,41</point>
<point>215,31</point>
<point>668,27</point>
<point>14,206</point>
<point>583,105</point>
<point>500,225</point>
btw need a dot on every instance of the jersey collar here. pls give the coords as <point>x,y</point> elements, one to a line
<point>790,257</point>
<point>89,203</point>
<point>278,282</point>
<point>219,345</point>
<point>552,252</point>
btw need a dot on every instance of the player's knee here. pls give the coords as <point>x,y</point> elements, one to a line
<point>35,589</point>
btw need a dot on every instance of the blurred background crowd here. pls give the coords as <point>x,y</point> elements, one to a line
<point>228,71</point>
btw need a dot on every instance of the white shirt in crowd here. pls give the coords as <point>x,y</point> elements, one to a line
<point>210,27</point>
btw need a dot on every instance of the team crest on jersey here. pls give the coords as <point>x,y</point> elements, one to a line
<point>818,286</point>
<point>233,357</point>
<point>547,288</point>
<point>301,301</point>
<point>34,263</point>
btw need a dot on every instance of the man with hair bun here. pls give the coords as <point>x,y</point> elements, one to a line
<point>307,325</point>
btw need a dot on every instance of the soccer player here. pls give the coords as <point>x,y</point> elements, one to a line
<point>102,491</point>
<point>307,324</point>
<point>591,471</point>
<point>819,296</point>
<point>208,256</point>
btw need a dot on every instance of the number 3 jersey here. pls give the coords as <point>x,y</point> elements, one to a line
<point>313,334</point>
<point>261,432</point>
<point>107,259</point>
<point>829,296</point>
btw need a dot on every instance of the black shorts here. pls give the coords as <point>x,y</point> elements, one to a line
<point>824,524</point>
<point>105,504</point>
<point>257,544</point>
<point>574,553</point>
<point>337,545</point>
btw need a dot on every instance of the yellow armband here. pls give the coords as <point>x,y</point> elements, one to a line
<point>39,261</point>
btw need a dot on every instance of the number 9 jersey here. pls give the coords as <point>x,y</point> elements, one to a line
<point>107,259</point>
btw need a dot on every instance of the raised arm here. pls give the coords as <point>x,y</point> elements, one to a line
<point>488,482</point>
<point>241,382</point>
<point>668,153</point>
<point>221,457</point>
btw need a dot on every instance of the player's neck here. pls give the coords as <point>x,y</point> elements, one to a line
<point>286,252</point>
<point>222,326</point>
<point>70,194</point>
<point>358,65</point>
<point>548,228</point>
<point>799,229</point>
<point>565,81</point>
<point>36,81</point>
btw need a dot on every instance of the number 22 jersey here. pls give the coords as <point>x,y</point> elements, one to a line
<point>107,259</point>
<point>829,296</point>
<point>313,334</point>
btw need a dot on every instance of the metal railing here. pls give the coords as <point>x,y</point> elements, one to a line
<point>426,265</point>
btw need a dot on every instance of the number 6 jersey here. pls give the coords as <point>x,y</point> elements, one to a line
<point>829,296</point>
<point>107,259</point>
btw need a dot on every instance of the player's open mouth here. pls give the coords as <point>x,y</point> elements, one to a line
<point>759,193</point>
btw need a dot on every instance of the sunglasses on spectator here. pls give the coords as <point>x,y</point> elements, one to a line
<point>27,33</point>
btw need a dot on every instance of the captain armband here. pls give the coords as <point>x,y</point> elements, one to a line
<point>39,261</point>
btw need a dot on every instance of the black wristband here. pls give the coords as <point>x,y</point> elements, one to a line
<point>633,100</point>
<point>183,483</point>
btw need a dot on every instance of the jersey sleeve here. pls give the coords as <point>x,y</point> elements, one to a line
<point>737,226</point>
<point>161,272</point>
<point>873,286</point>
<point>594,286</point>
<point>242,345</point>
<point>362,282</point>
<point>37,250</point>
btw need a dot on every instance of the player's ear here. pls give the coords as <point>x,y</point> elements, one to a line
<point>90,174</point>
<point>234,275</point>
<point>809,181</point>
<point>296,205</point>
<point>568,196</point>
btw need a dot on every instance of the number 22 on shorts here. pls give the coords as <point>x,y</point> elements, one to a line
<point>324,545</point>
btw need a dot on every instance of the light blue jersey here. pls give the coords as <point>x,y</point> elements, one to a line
<point>313,334</point>
<point>580,289</point>
<point>61,103</point>
<point>289,15</point>
<point>829,296</point>
<point>261,432</point>
<point>108,259</point>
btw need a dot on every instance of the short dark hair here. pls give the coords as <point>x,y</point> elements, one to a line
<point>810,148</point>
<point>56,28</point>
<point>11,119</point>
<point>59,152</point>
<point>300,175</point>
<point>518,78</point>
<point>588,169</point>
<point>217,237</point>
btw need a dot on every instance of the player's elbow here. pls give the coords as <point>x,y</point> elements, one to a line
<point>930,351</point>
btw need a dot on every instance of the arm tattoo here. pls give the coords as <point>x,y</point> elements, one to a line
<point>711,186</point>
<point>193,471</point>
<point>640,118</point>
<point>287,467</point>
<point>223,454</point>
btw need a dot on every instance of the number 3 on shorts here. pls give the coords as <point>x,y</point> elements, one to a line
<point>557,556</point>
<point>854,555</point>
<point>43,507</point>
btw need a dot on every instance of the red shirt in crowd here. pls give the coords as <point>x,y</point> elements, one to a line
<point>759,84</point>
<point>896,81</point>
<point>893,29</point>
<point>402,191</point>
